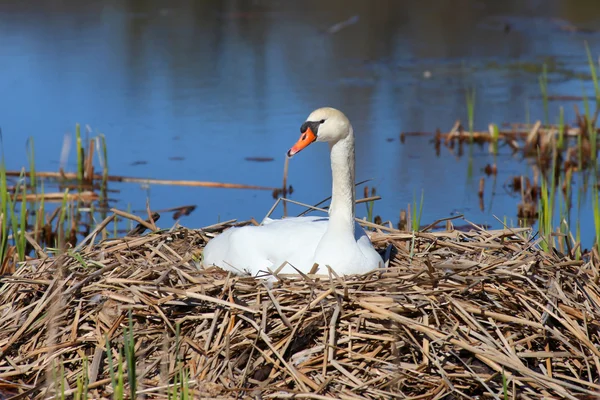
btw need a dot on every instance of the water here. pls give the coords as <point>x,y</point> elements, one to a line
<point>189,89</point>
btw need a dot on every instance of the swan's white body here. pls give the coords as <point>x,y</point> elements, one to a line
<point>337,241</point>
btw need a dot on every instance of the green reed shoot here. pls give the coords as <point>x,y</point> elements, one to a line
<point>119,394</point>
<point>39,215</point>
<point>129,344</point>
<point>495,132</point>
<point>417,212</point>
<point>172,395</point>
<point>578,239</point>
<point>53,385</point>
<point>563,226</point>
<point>111,368</point>
<point>504,384</point>
<point>568,195</point>
<point>369,204</point>
<point>104,159</point>
<point>543,80</point>
<point>593,73</point>
<point>184,387</point>
<point>580,143</point>
<point>69,224</point>
<point>22,225</point>
<point>31,159</point>
<point>177,341</point>
<point>83,382</point>
<point>4,213</point>
<point>79,392</point>
<point>19,224</point>
<point>80,156</point>
<point>470,99</point>
<point>470,166</point>
<point>590,127</point>
<point>62,381</point>
<point>116,378</point>
<point>596,209</point>
<point>77,256</point>
<point>547,197</point>
<point>545,216</point>
<point>561,129</point>
<point>180,387</point>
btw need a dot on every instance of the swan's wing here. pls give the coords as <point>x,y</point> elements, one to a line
<point>366,247</point>
<point>256,248</point>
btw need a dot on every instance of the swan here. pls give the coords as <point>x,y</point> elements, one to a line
<point>300,242</point>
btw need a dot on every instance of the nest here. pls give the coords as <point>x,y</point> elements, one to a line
<point>483,314</point>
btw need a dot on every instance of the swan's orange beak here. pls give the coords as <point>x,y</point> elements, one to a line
<point>305,139</point>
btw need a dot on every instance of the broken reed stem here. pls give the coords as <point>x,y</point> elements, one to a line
<point>284,188</point>
<point>149,225</point>
<point>125,179</point>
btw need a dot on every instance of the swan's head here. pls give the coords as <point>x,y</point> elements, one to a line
<point>322,125</point>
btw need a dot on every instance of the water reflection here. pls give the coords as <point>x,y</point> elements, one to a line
<point>193,88</point>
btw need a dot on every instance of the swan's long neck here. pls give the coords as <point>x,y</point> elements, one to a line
<point>341,212</point>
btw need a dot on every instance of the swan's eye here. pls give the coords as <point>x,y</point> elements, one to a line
<point>322,121</point>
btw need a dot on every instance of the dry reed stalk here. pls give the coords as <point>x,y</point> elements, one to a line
<point>126,179</point>
<point>85,196</point>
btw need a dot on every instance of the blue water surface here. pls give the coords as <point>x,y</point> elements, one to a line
<point>187,90</point>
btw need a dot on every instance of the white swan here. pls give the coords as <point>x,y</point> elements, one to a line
<point>336,241</point>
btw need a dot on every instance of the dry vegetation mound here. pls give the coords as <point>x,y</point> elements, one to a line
<point>484,314</point>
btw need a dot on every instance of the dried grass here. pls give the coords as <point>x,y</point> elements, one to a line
<point>453,314</point>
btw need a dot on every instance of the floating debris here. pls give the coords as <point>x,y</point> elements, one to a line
<point>140,162</point>
<point>259,159</point>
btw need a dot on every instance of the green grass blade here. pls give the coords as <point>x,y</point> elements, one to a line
<point>21,237</point>
<point>18,230</point>
<point>85,378</point>
<point>592,65</point>
<point>185,385</point>
<point>130,357</point>
<point>591,131</point>
<point>417,212</point>
<point>120,392</point>
<point>111,368</point>
<point>62,382</point>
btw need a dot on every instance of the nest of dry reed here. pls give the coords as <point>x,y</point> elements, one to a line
<point>483,314</point>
